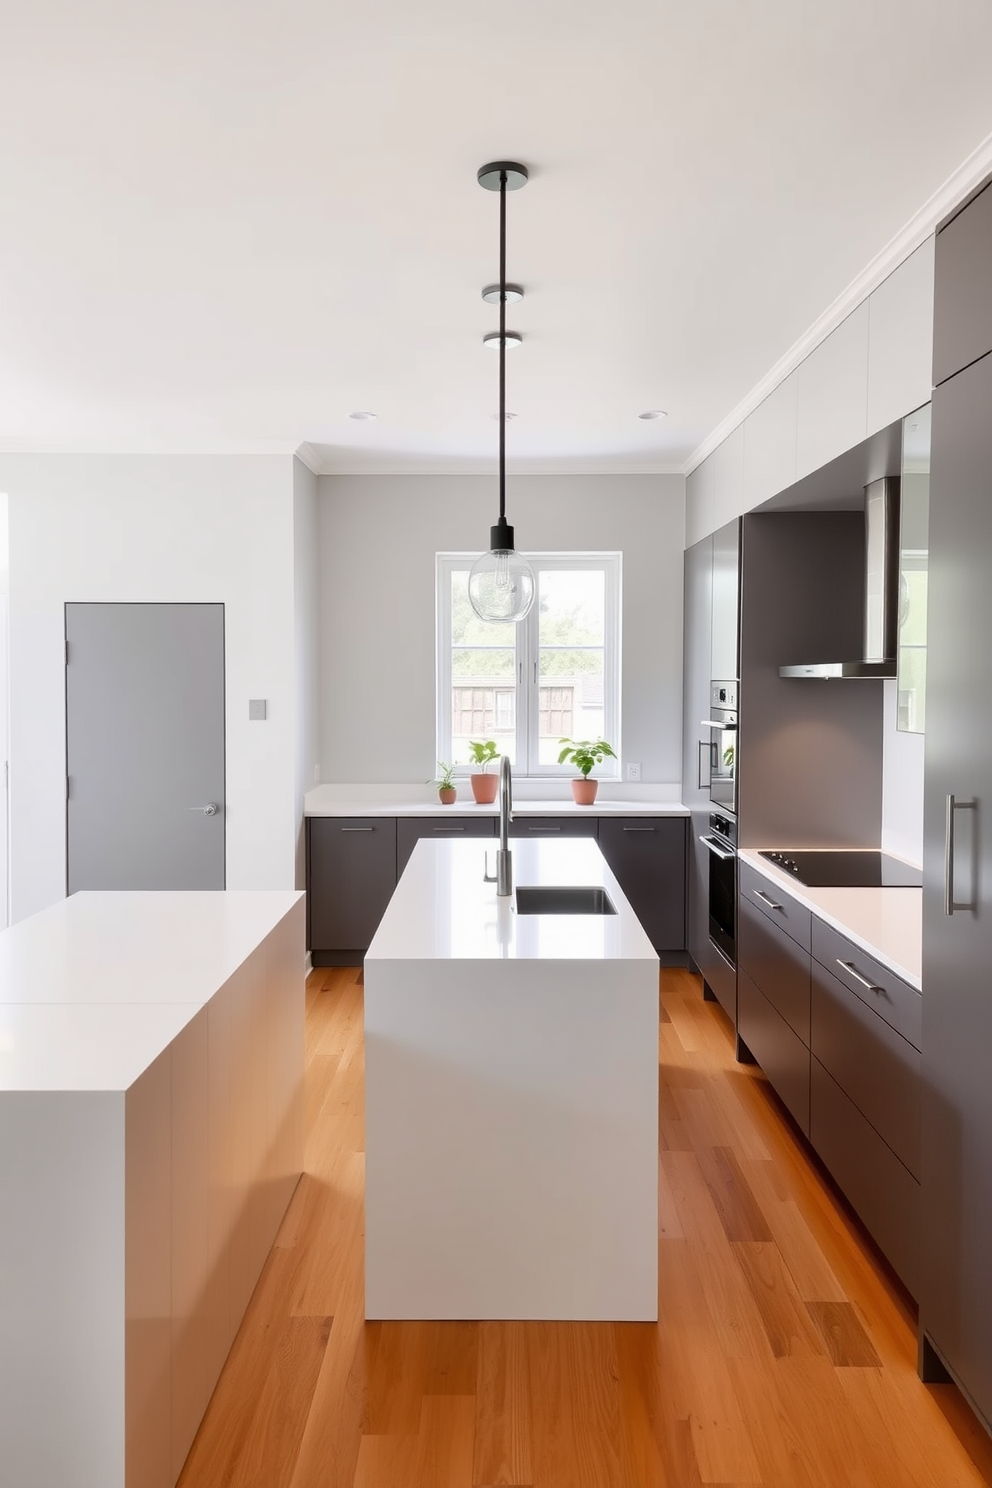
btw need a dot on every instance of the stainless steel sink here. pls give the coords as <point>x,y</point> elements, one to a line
<point>564,899</point>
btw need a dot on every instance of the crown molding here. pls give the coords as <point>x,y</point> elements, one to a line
<point>309,457</point>
<point>958,186</point>
<point>549,467</point>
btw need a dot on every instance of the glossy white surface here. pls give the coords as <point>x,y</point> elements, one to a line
<point>511,1097</point>
<point>887,923</point>
<point>444,910</point>
<point>148,1149</point>
<point>337,800</point>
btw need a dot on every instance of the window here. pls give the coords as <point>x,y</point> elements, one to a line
<point>556,674</point>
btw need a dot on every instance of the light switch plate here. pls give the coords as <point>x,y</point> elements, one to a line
<point>256,709</point>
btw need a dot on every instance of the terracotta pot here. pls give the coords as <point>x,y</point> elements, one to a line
<point>484,788</point>
<point>584,791</point>
<point>447,795</point>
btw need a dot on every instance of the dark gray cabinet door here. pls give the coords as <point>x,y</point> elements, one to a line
<point>962,292</point>
<point>777,964</point>
<point>648,858</point>
<point>352,875</point>
<point>956,1297</point>
<point>410,829</point>
<point>778,1048</point>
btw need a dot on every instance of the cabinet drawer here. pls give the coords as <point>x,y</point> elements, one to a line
<point>875,1066</point>
<point>776,964</point>
<point>781,1053</point>
<point>776,903</point>
<point>410,829</point>
<point>886,994</point>
<point>880,1188</point>
<point>554,826</point>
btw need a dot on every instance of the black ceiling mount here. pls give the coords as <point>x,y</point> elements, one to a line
<point>490,175</point>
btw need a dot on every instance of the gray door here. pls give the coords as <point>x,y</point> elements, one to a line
<point>145,746</point>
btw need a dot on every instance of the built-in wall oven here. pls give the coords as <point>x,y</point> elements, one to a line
<point>721,844</point>
<point>719,748</point>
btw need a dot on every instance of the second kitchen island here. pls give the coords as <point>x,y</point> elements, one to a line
<point>511,1096</point>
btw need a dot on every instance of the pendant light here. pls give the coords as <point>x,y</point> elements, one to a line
<point>501,584</point>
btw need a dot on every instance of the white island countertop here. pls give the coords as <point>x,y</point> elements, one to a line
<point>887,923</point>
<point>443,909</point>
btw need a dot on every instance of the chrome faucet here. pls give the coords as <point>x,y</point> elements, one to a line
<point>504,858</point>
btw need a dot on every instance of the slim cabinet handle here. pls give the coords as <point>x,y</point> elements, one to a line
<point>759,894</point>
<point>850,969</point>
<point>358,829</point>
<point>449,829</point>
<point>950,903</point>
<point>543,829</point>
<point>638,829</point>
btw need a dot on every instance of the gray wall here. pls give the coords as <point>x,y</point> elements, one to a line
<point>305,648</point>
<point>377,540</point>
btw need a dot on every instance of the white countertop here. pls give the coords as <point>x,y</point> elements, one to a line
<point>887,923</point>
<point>337,800</point>
<point>93,988</point>
<point>444,910</point>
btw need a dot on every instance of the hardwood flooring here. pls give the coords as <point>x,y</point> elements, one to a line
<point>785,1353</point>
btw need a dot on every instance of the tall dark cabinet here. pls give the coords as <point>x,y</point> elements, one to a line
<point>956,1291</point>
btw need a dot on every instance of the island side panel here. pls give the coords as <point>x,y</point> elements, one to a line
<point>62,1289</point>
<point>511,1139</point>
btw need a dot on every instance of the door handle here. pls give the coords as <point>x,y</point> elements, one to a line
<point>710,748</point>
<point>760,894</point>
<point>950,903</point>
<point>209,810</point>
<point>724,854</point>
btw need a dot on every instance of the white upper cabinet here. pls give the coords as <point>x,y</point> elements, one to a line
<point>699,502</point>
<point>770,445</point>
<point>728,481</point>
<point>900,340</point>
<point>832,410</point>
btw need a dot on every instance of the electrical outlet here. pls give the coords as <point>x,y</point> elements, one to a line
<point>633,771</point>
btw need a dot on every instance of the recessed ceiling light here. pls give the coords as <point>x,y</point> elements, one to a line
<point>653,413</point>
<point>513,338</point>
<point>514,292</point>
<point>363,414</point>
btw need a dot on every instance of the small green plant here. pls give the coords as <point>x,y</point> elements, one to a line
<point>445,779</point>
<point>483,753</point>
<point>585,753</point>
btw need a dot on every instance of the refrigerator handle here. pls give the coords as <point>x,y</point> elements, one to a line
<point>950,903</point>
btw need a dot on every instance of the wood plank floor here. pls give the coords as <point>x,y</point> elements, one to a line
<point>784,1355</point>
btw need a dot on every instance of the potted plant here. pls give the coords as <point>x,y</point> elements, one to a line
<point>447,794</point>
<point>584,754</point>
<point>484,785</point>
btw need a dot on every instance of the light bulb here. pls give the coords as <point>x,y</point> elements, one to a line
<point>501,585</point>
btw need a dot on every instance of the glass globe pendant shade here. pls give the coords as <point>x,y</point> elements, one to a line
<point>501,584</point>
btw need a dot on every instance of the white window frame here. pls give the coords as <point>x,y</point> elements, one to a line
<point>525,642</point>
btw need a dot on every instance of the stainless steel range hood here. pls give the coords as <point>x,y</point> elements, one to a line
<point>881,592</point>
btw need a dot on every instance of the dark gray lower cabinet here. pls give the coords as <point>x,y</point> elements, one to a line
<point>776,1046</point>
<point>648,857</point>
<point>351,877</point>
<point>838,1034</point>
<point>410,829</point>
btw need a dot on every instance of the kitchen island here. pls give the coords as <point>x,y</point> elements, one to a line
<point>511,1095</point>
<point>151,1135</point>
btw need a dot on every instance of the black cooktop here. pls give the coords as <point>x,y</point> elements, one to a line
<point>845,869</point>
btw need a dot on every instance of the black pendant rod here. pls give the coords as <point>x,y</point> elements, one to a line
<point>502,346</point>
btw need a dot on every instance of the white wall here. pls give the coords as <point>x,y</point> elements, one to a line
<point>902,785</point>
<point>168,528</point>
<point>378,536</point>
<point>305,647</point>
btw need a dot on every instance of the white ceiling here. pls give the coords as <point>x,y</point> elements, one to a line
<point>227,225</point>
